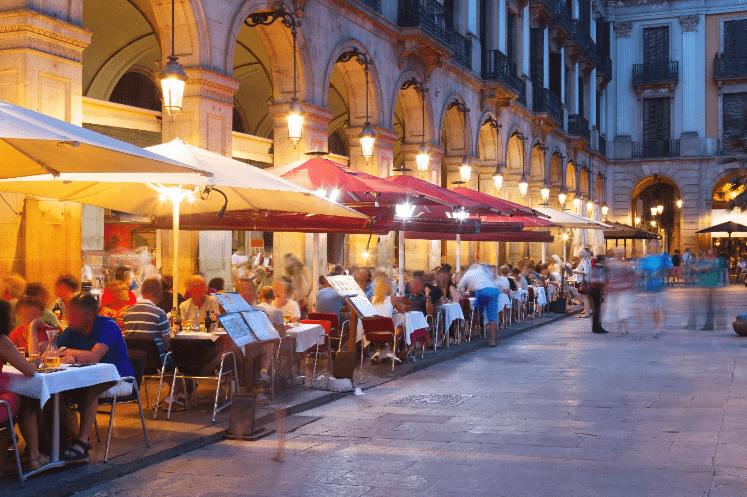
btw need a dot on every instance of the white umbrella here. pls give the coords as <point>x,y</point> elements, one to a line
<point>160,194</point>
<point>568,220</point>
<point>33,144</point>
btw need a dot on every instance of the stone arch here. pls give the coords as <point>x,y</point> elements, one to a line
<point>555,176</point>
<point>537,164</point>
<point>488,142</point>
<point>718,186</point>
<point>353,74</point>
<point>412,107</point>
<point>515,153</point>
<point>570,177</point>
<point>456,129</point>
<point>670,220</point>
<point>583,182</point>
<point>107,77</point>
<point>278,42</point>
<point>191,33</point>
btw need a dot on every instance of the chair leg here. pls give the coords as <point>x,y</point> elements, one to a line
<point>96,429</point>
<point>15,443</point>
<point>171,395</point>
<point>111,424</point>
<point>142,419</point>
<point>145,387</point>
<point>158,399</point>
<point>394,349</point>
<point>316,356</point>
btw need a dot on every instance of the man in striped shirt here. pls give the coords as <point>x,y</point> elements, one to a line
<point>145,317</point>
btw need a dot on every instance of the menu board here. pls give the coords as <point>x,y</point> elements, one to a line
<point>232,302</point>
<point>237,329</point>
<point>260,325</point>
<point>347,288</point>
<point>344,285</point>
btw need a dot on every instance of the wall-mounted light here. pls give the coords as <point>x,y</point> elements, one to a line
<point>654,210</point>
<point>637,220</point>
<point>545,193</point>
<point>679,203</point>
<point>577,201</point>
<point>653,223</point>
<point>367,135</point>
<point>422,158</point>
<point>589,206</point>
<point>173,78</point>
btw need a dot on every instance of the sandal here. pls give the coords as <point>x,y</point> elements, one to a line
<point>75,455</point>
<point>37,462</point>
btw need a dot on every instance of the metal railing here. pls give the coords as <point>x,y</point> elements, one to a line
<point>562,18</point>
<point>462,50</point>
<point>602,146</point>
<point>582,37</point>
<point>658,148</point>
<point>427,14</point>
<point>371,4</point>
<point>605,66</point>
<point>578,125</point>
<point>656,72</point>
<point>724,68</point>
<point>733,145</point>
<point>498,66</point>
<point>546,101</point>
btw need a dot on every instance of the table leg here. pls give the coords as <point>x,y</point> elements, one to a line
<point>55,427</point>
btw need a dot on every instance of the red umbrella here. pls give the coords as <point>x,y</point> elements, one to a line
<point>349,186</point>
<point>527,221</point>
<point>417,186</point>
<point>523,236</point>
<point>504,206</point>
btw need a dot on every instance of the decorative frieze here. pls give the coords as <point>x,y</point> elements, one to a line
<point>623,29</point>
<point>25,29</point>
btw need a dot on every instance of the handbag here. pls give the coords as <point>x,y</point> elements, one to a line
<point>583,288</point>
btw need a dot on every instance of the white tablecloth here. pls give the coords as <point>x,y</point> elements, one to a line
<point>450,313</point>
<point>43,385</point>
<point>521,295</point>
<point>412,321</point>
<point>503,302</point>
<point>201,334</point>
<point>306,335</point>
<point>540,296</point>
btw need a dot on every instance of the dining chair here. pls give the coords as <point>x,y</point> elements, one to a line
<point>153,367</point>
<point>324,347</point>
<point>9,425</point>
<point>337,330</point>
<point>381,330</point>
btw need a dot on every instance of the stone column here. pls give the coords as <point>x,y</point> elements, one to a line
<point>574,9</point>
<point>603,113</point>
<point>692,103</point>
<point>501,25</point>
<point>623,144</point>
<point>314,136</point>
<point>41,69</point>
<point>525,40</point>
<point>205,121</point>
<point>460,16</point>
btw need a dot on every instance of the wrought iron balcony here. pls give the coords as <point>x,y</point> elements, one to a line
<point>563,20</point>
<point>546,101</point>
<point>605,67</point>
<point>427,14</point>
<point>374,5</point>
<point>462,50</point>
<point>583,39</point>
<point>578,125</point>
<point>543,9</point>
<point>602,146</point>
<point>655,149</point>
<point>724,68</point>
<point>497,66</point>
<point>656,73</point>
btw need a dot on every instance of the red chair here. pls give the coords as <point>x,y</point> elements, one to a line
<point>420,335</point>
<point>337,331</point>
<point>325,347</point>
<point>381,330</point>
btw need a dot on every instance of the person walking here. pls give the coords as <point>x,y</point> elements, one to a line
<point>478,280</point>
<point>598,279</point>
<point>676,267</point>
<point>583,276</point>
<point>655,268</point>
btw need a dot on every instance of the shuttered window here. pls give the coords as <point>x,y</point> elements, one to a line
<point>581,99</point>
<point>735,39</point>
<point>656,45</point>
<point>555,63</point>
<point>656,125</point>
<point>734,124</point>
<point>536,59</point>
<point>511,36</point>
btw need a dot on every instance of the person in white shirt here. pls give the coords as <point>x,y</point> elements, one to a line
<point>583,276</point>
<point>197,306</point>
<point>283,302</point>
<point>267,296</point>
<point>480,283</point>
<point>502,282</point>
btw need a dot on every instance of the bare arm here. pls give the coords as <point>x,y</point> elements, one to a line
<point>10,353</point>
<point>397,305</point>
<point>92,356</point>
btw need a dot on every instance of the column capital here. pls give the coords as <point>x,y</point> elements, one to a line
<point>623,29</point>
<point>689,23</point>
<point>26,29</point>
<point>211,85</point>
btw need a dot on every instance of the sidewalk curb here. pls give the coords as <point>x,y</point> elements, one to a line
<point>77,479</point>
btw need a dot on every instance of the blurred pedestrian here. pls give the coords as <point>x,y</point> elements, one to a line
<point>598,280</point>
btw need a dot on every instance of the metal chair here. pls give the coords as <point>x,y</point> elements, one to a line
<point>326,346</point>
<point>193,360</point>
<point>337,331</point>
<point>381,330</point>
<point>138,360</point>
<point>152,364</point>
<point>10,425</point>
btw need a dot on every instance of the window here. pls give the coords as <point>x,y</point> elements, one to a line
<point>734,121</point>
<point>555,73</point>
<point>136,90</point>
<point>735,39</point>
<point>511,36</point>
<point>581,100</point>
<point>536,59</point>
<point>656,45</point>
<point>656,120</point>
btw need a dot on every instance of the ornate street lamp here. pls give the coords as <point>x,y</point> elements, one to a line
<point>545,192</point>
<point>287,19</point>
<point>173,78</point>
<point>498,178</point>
<point>605,210</point>
<point>523,186</point>
<point>679,203</point>
<point>367,135</point>
<point>562,197</point>
<point>422,159</point>
<point>465,169</point>
<point>498,174</point>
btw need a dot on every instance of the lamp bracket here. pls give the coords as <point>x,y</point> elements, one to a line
<point>492,122</point>
<point>460,106</point>
<point>268,17</point>
<point>415,85</point>
<point>359,57</point>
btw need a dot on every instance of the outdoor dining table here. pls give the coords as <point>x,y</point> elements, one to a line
<point>411,321</point>
<point>448,313</point>
<point>539,293</point>
<point>44,386</point>
<point>305,334</point>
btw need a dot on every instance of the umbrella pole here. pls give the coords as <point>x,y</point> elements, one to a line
<point>544,252</point>
<point>402,262</point>
<point>314,267</point>
<point>496,258</point>
<point>175,289</point>
<point>458,254</point>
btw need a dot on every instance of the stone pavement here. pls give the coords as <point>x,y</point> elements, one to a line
<point>556,412</point>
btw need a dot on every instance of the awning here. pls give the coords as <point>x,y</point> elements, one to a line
<point>527,221</point>
<point>417,186</point>
<point>504,206</point>
<point>625,232</point>
<point>522,236</point>
<point>568,220</point>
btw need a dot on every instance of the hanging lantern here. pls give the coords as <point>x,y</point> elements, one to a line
<point>545,193</point>
<point>465,170</point>
<point>605,210</point>
<point>589,206</point>
<point>637,220</point>
<point>422,158</point>
<point>660,208</point>
<point>679,203</point>
<point>654,210</point>
<point>523,186</point>
<point>498,178</point>
<point>173,78</point>
<point>295,121</point>
<point>562,197</point>
<point>576,201</point>
<point>368,138</point>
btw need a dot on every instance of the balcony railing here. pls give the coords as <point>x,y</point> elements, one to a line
<point>374,5</point>
<point>427,14</point>
<point>602,146</point>
<point>732,145</point>
<point>605,67</point>
<point>562,18</point>
<point>724,68</point>
<point>546,101</point>
<point>578,125</point>
<point>656,72</point>
<point>582,37</point>
<point>462,50</point>
<point>497,66</point>
<point>659,148</point>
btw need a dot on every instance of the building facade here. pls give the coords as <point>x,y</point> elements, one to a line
<point>570,94</point>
